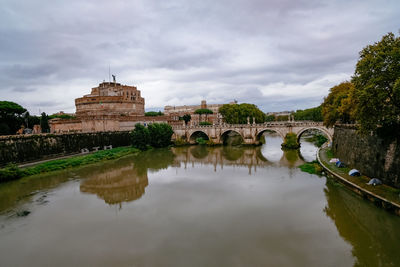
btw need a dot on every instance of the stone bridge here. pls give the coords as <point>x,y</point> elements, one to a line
<point>250,133</point>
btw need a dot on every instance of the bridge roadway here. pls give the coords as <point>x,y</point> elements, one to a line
<point>250,133</point>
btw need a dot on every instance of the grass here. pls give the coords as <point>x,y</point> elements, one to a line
<point>13,172</point>
<point>385,191</point>
<point>312,167</point>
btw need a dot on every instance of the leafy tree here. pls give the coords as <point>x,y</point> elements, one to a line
<point>140,137</point>
<point>153,113</point>
<point>160,134</point>
<point>238,113</point>
<point>44,123</point>
<point>186,118</point>
<point>10,117</point>
<point>203,111</point>
<point>282,118</point>
<point>339,105</point>
<point>377,86</point>
<point>269,118</point>
<point>311,114</point>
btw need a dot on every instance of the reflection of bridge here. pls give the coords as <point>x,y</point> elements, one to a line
<point>250,133</point>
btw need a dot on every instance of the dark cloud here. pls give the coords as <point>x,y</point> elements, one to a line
<point>278,54</point>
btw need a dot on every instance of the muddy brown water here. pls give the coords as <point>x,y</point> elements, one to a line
<point>194,206</point>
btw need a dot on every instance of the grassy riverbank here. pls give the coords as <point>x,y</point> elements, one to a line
<point>385,191</point>
<point>311,167</point>
<point>12,172</point>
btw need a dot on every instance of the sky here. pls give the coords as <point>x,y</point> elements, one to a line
<point>277,54</point>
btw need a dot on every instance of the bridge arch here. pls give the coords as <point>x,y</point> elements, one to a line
<point>261,132</point>
<point>197,134</point>
<point>321,129</point>
<point>225,133</point>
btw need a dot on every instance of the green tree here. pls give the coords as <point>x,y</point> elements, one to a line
<point>269,118</point>
<point>160,134</point>
<point>201,111</point>
<point>10,117</point>
<point>311,114</point>
<point>140,137</point>
<point>153,113</point>
<point>44,123</point>
<point>377,86</point>
<point>238,113</point>
<point>186,118</point>
<point>339,105</point>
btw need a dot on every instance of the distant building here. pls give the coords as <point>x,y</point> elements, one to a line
<point>109,107</point>
<point>179,111</point>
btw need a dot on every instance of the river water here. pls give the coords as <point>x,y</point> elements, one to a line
<point>194,206</point>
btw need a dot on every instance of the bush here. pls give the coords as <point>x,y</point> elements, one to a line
<point>205,123</point>
<point>153,113</point>
<point>140,137</point>
<point>201,141</point>
<point>160,134</point>
<point>312,167</point>
<point>290,141</point>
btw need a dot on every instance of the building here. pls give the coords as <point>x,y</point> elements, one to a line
<point>109,107</point>
<point>178,111</point>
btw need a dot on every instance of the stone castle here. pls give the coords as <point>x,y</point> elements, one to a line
<point>115,107</point>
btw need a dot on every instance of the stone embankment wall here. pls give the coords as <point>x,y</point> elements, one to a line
<point>25,148</point>
<point>373,156</point>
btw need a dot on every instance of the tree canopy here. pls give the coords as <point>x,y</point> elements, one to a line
<point>238,113</point>
<point>377,85</point>
<point>153,113</point>
<point>339,105</point>
<point>10,117</point>
<point>203,111</point>
<point>311,114</point>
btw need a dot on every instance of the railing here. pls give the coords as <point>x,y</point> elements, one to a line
<point>258,125</point>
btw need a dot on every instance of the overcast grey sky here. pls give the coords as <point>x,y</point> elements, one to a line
<point>277,54</point>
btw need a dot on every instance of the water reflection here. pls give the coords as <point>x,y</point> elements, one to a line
<point>126,180</point>
<point>373,233</point>
<point>117,185</point>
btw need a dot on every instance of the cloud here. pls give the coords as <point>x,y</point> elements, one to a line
<point>278,54</point>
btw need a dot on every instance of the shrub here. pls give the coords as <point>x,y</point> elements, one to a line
<point>205,123</point>
<point>160,134</point>
<point>290,141</point>
<point>140,137</point>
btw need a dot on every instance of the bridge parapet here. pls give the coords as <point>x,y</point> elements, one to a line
<point>250,133</point>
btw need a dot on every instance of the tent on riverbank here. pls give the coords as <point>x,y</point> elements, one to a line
<point>354,172</point>
<point>339,164</point>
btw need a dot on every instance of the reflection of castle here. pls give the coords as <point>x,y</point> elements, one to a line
<point>116,185</point>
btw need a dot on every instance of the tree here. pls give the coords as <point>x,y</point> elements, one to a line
<point>160,134</point>
<point>269,118</point>
<point>377,86</point>
<point>311,114</point>
<point>340,105</point>
<point>153,113</point>
<point>44,123</point>
<point>186,118</point>
<point>201,111</point>
<point>238,113</point>
<point>10,117</point>
<point>140,137</point>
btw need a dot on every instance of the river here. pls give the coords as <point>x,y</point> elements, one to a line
<point>194,206</point>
